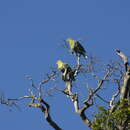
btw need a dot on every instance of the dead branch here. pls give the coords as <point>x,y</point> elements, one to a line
<point>94,91</point>
<point>45,108</point>
<point>123,57</point>
<point>81,111</point>
<point>111,104</point>
<point>36,99</point>
<point>125,89</point>
<point>74,99</point>
<point>49,77</point>
<point>101,98</point>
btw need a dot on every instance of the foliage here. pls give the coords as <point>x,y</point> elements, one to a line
<point>116,120</point>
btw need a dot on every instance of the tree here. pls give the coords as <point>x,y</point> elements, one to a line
<point>114,115</point>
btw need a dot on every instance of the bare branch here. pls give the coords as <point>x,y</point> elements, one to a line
<point>81,111</point>
<point>49,77</point>
<point>45,108</point>
<point>21,98</point>
<point>93,92</point>
<point>102,98</point>
<point>123,57</point>
<point>46,111</point>
<point>32,82</point>
<point>111,103</point>
<point>125,90</point>
<point>36,99</point>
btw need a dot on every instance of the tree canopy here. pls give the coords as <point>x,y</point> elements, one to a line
<point>111,114</point>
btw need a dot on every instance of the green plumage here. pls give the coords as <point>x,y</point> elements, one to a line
<point>67,72</point>
<point>76,47</point>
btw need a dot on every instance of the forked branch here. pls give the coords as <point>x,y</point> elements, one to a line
<point>125,89</point>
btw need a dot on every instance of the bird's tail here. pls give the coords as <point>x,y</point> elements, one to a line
<point>85,56</point>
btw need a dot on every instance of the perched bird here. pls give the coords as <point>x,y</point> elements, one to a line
<point>68,73</point>
<point>67,76</point>
<point>62,66</point>
<point>76,48</point>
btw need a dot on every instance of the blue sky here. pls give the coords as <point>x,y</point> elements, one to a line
<point>31,34</point>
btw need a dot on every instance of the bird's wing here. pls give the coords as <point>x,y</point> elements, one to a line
<point>79,46</point>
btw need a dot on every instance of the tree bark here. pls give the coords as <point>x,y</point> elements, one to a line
<point>125,89</point>
<point>46,112</point>
<point>49,119</point>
